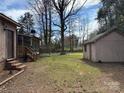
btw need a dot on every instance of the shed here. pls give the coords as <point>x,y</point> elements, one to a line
<point>7,38</point>
<point>105,47</point>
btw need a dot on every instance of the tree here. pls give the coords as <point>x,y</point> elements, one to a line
<point>71,32</point>
<point>111,14</point>
<point>64,12</point>
<point>43,13</point>
<point>84,28</point>
<point>27,23</point>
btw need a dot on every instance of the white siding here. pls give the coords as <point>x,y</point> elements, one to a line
<point>110,48</point>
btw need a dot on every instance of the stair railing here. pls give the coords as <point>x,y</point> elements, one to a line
<point>31,53</point>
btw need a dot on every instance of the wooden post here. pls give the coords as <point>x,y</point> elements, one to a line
<point>22,44</point>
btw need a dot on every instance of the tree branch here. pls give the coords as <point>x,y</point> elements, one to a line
<point>73,13</point>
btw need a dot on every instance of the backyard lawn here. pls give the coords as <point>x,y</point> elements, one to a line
<point>67,74</point>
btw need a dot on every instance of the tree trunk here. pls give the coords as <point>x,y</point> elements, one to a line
<point>62,34</point>
<point>44,34</point>
<point>72,43</point>
<point>46,26</point>
<point>62,41</point>
<point>50,30</point>
<point>70,40</point>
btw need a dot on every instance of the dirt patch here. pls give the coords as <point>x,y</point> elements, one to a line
<point>6,74</point>
<point>112,78</point>
<point>61,74</point>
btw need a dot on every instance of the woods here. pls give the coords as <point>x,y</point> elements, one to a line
<point>111,14</point>
<point>53,18</point>
<point>57,19</point>
<point>62,8</point>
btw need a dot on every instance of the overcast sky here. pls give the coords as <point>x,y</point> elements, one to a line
<point>16,8</point>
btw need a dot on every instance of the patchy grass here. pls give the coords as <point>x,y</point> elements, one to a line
<point>68,71</point>
<point>67,74</point>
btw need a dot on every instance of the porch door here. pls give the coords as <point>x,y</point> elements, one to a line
<point>10,44</point>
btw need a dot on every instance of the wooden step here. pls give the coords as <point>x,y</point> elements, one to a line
<point>12,62</point>
<point>16,64</point>
<point>11,59</point>
<point>20,67</point>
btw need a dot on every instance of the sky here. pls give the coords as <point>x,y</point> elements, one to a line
<point>15,8</point>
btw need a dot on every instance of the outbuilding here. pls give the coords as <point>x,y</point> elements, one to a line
<point>105,47</point>
<point>7,39</point>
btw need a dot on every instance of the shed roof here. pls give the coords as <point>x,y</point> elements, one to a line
<point>8,19</point>
<point>99,36</point>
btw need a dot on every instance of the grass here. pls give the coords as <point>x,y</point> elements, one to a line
<point>68,71</point>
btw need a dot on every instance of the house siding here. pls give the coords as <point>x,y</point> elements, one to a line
<point>110,48</point>
<point>2,43</point>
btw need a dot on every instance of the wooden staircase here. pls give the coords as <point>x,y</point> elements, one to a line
<point>14,64</point>
<point>32,55</point>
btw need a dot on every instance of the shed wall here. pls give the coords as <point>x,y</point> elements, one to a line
<point>86,52</point>
<point>4,24</point>
<point>2,43</point>
<point>110,48</point>
<point>93,52</point>
<point>2,47</point>
<point>12,27</point>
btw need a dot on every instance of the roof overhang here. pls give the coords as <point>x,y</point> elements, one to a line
<point>26,35</point>
<point>98,37</point>
<point>9,19</point>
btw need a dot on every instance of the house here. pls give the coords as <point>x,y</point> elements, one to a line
<point>8,53</point>
<point>28,45</point>
<point>105,47</point>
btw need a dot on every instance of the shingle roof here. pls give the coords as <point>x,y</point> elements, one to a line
<point>99,36</point>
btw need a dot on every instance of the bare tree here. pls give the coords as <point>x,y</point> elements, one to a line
<point>85,29</point>
<point>50,24</point>
<point>42,9</point>
<point>65,9</point>
<point>72,28</point>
